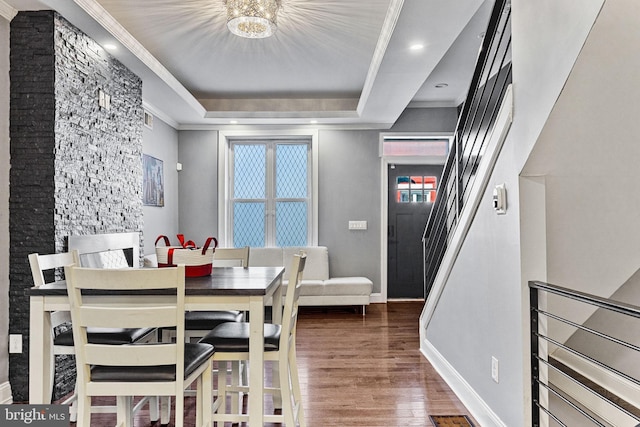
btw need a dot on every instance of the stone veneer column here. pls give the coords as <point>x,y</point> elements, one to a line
<point>76,167</point>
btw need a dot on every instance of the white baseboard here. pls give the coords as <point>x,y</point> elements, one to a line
<point>377,298</point>
<point>467,395</point>
<point>6,397</point>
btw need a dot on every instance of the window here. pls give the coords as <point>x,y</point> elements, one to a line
<point>414,145</point>
<point>416,189</point>
<point>270,187</point>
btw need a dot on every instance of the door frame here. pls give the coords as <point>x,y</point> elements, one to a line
<point>385,161</point>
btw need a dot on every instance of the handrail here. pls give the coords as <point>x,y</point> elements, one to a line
<point>540,338</point>
<point>612,305</point>
<point>490,80</point>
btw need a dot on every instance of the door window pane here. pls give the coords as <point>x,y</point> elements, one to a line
<point>416,189</point>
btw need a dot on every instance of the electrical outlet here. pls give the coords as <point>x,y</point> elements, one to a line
<point>495,369</point>
<point>15,343</point>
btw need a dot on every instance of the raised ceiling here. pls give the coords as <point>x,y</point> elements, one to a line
<point>338,63</point>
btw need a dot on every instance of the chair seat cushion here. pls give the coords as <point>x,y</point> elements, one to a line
<point>206,320</point>
<point>234,337</point>
<point>194,356</point>
<point>105,336</point>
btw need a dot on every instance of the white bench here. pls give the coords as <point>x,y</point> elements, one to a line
<point>318,289</point>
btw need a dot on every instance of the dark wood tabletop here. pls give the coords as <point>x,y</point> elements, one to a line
<point>251,281</point>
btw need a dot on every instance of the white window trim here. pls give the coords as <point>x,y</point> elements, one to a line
<point>224,171</point>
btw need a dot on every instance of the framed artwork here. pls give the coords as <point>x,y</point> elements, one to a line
<point>152,181</point>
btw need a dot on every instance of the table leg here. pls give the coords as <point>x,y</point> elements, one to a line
<point>41,361</point>
<point>256,361</point>
<point>276,315</point>
<point>276,309</point>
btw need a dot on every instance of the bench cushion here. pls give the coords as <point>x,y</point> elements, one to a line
<point>265,257</point>
<point>348,286</point>
<point>317,287</point>
<point>307,287</point>
<point>317,265</point>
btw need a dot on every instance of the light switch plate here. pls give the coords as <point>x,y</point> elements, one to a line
<point>357,225</point>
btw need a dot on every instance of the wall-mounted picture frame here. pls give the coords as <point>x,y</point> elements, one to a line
<point>152,181</point>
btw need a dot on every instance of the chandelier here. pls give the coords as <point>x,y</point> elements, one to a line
<point>254,19</point>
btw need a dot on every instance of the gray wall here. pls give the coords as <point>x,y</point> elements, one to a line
<point>348,159</point>
<point>161,142</point>
<point>4,201</point>
<point>349,186</point>
<point>198,184</point>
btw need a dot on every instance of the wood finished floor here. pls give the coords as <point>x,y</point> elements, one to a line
<point>358,371</point>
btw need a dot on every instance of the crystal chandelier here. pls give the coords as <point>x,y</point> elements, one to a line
<point>254,19</point>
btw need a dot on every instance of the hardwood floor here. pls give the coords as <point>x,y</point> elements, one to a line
<point>359,371</point>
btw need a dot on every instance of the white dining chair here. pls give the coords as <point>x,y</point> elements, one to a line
<point>62,330</point>
<point>140,369</point>
<point>200,323</point>
<point>231,341</point>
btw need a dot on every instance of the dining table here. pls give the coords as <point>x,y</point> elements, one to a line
<point>227,288</point>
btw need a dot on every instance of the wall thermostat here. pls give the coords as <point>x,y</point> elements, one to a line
<point>500,199</point>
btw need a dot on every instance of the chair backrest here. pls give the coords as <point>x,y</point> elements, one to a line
<point>109,259</point>
<point>90,246</point>
<point>290,311</point>
<point>154,308</point>
<point>231,257</point>
<point>42,263</point>
<point>52,262</point>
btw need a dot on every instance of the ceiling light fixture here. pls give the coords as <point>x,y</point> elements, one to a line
<point>253,19</point>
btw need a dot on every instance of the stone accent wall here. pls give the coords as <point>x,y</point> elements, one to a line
<point>98,182</point>
<point>76,167</point>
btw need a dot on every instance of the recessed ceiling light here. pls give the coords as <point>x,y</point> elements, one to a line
<point>233,122</point>
<point>416,46</point>
<point>313,122</point>
<point>442,85</point>
<point>110,46</point>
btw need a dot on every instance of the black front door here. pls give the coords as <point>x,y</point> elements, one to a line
<point>412,191</point>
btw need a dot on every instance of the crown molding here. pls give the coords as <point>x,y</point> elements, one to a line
<point>109,23</point>
<point>389,25</point>
<point>7,11</point>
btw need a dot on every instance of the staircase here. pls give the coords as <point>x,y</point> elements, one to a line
<point>571,384</point>
<point>476,143</point>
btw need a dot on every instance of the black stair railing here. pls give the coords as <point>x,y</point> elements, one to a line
<point>543,388</point>
<point>491,78</point>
